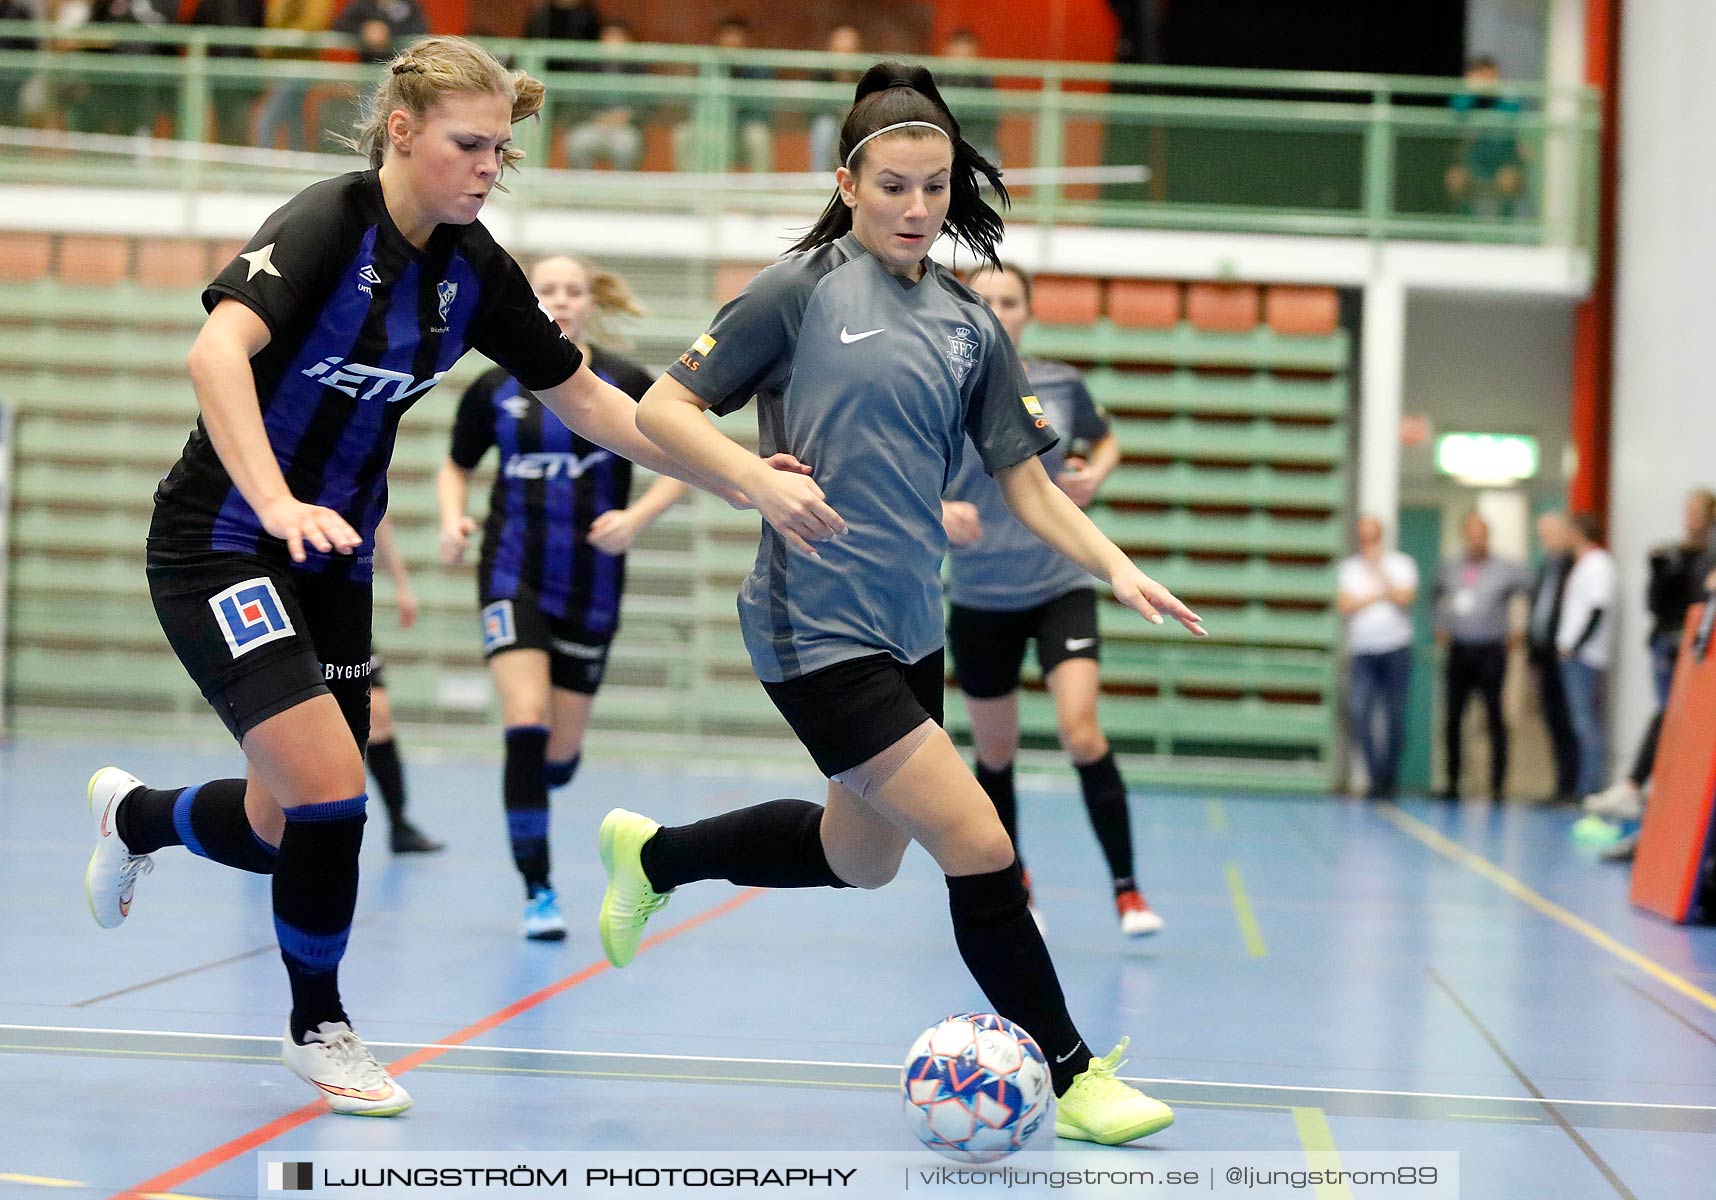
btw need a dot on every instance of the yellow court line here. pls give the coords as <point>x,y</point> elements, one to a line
<point>40,1180</point>
<point>1217,814</point>
<point>1248,926</point>
<point>1320,1153</point>
<point>1480,865</point>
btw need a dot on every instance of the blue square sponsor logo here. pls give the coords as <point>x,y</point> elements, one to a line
<point>498,627</point>
<point>250,615</point>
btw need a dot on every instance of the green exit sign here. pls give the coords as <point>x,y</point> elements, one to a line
<point>1487,459</point>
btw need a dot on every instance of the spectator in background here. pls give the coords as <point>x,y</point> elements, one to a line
<point>963,45</point>
<point>12,88</point>
<point>1474,594</point>
<point>283,106</point>
<point>825,125</point>
<point>1584,639</point>
<point>611,134</point>
<point>232,99</point>
<point>382,27</point>
<point>1555,534</point>
<point>752,121</point>
<point>565,21</point>
<point>1678,573</point>
<point>1488,179</point>
<point>114,105</point>
<point>1376,589</point>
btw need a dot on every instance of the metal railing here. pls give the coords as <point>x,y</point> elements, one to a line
<point>1246,151</point>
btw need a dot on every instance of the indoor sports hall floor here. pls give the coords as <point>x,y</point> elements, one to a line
<point>1331,976</point>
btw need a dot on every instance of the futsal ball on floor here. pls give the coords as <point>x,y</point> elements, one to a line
<point>976,1087</point>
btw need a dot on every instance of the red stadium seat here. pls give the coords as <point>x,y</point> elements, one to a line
<point>25,257</point>
<point>172,262</point>
<point>1222,307</point>
<point>1311,311</point>
<point>221,253</point>
<point>96,260</point>
<point>1144,303</point>
<point>1063,300</point>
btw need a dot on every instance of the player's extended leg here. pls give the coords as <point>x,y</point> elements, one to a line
<point>934,799</point>
<point>521,678</point>
<point>381,756</point>
<point>568,717</point>
<point>308,761</point>
<point>1074,683</point>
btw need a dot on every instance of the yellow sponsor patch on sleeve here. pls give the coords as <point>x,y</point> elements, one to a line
<point>704,344</point>
<point>1031,406</point>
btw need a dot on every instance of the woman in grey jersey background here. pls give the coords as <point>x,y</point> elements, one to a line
<point>873,364</point>
<point>548,670</point>
<point>1006,588</point>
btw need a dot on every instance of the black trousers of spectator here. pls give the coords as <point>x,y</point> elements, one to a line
<point>1563,745</point>
<point>1476,667</point>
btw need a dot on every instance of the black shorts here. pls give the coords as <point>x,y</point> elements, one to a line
<point>849,713</point>
<point>259,637</point>
<point>988,648</point>
<point>577,658</point>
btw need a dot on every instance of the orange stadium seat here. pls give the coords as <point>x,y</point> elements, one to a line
<point>172,262</point>
<point>731,278</point>
<point>221,253</point>
<point>1313,311</point>
<point>1063,300</point>
<point>25,256</point>
<point>94,259</point>
<point>1222,307</point>
<point>1144,303</point>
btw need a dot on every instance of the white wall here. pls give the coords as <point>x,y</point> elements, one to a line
<point>1512,31</point>
<point>1664,433</point>
<point>1489,364</point>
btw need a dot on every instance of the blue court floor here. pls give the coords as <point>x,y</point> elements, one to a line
<point>1333,976</point>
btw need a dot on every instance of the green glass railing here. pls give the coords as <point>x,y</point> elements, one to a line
<point>1152,147</point>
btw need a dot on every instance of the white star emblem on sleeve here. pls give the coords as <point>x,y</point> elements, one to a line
<point>260,262</point>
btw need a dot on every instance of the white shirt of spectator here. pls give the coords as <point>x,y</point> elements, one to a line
<point>1590,586</point>
<point>1381,625</point>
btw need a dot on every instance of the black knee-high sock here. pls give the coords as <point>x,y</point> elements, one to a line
<point>998,785</point>
<point>315,892</point>
<point>383,761</point>
<point>1005,954</point>
<point>777,845</point>
<point>208,820</point>
<point>527,803</point>
<point>1105,801</point>
<point>559,774</point>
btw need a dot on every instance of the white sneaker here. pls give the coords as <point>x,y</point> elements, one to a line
<point>1621,801</point>
<point>337,1063</point>
<point>110,880</point>
<point>1137,918</point>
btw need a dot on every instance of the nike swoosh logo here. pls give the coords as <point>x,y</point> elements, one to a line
<point>849,338</point>
<point>1080,643</point>
<point>1061,1058</point>
<point>105,813</point>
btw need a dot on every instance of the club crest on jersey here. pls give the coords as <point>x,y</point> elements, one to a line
<point>498,627</point>
<point>348,377</point>
<point>962,351</point>
<point>517,407</point>
<point>445,291</point>
<point>250,615</point>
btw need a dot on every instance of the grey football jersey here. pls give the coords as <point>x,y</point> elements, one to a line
<point>1011,568</point>
<point>876,383</point>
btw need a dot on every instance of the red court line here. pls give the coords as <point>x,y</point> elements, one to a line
<point>170,1179</point>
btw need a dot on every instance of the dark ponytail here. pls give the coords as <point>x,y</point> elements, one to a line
<point>892,92</point>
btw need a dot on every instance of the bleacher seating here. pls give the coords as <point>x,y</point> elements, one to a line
<point>1231,492</point>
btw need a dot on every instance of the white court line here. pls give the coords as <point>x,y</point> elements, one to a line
<point>271,1042</point>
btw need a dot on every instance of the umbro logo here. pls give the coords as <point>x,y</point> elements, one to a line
<point>369,274</point>
<point>848,338</point>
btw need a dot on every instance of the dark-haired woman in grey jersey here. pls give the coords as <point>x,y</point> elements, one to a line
<point>874,365</point>
<point>1007,588</point>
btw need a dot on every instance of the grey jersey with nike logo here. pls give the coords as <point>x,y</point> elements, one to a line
<point>1010,568</point>
<point>876,383</point>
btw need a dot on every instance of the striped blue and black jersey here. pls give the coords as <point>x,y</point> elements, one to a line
<point>361,324</point>
<point>550,486</point>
